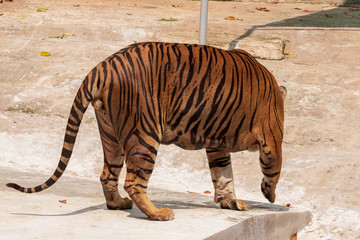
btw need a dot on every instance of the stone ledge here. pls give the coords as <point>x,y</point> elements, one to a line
<point>259,46</point>
<point>264,224</point>
<point>264,47</point>
<point>84,216</point>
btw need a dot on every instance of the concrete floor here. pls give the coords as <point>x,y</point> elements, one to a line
<point>321,146</point>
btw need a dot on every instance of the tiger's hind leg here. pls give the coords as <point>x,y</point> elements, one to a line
<point>141,151</point>
<point>222,177</point>
<point>113,163</point>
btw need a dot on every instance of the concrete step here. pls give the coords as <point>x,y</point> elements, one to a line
<point>84,215</point>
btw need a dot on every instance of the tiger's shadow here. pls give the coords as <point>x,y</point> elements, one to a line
<point>173,200</point>
<point>186,201</point>
<point>252,205</point>
<point>187,205</point>
<point>182,200</point>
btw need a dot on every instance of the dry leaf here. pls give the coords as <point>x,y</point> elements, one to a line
<point>63,201</point>
<point>168,19</point>
<point>39,9</point>
<point>332,4</point>
<point>250,11</point>
<point>76,5</point>
<point>177,5</point>
<point>63,35</point>
<point>193,193</point>
<point>273,2</point>
<point>297,8</point>
<point>207,192</point>
<point>230,18</point>
<point>45,54</point>
<point>262,9</point>
<point>329,16</point>
<point>315,3</point>
<point>8,0</point>
<point>286,52</point>
<point>1,14</point>
<point>68,34</point>
<point>308,11</point>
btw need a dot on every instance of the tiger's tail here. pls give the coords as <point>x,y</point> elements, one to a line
<point>82,100</point>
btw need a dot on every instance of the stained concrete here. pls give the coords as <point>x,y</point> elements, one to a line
<point>84,215</point>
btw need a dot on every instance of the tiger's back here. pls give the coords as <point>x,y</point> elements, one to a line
<point>193,96</point>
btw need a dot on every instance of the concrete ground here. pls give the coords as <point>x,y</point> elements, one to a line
<point>75,209</point>
<point>321,72</point>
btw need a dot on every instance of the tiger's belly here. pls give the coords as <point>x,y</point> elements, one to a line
<point>189,141</point>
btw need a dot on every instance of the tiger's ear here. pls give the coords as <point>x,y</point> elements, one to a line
<point>283,92</point>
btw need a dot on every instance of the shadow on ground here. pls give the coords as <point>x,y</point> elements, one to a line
<point>344,16</point>
<point>173,200</point>
<point>80,211</point>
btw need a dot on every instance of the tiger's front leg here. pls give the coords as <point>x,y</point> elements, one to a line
<point>222,177</point>
<point>141,153</point>
<point>270,162</point>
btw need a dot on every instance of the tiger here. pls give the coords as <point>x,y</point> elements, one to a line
<point>193,96</point>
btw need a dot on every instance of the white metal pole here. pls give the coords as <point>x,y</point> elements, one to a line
<point>203,22</point>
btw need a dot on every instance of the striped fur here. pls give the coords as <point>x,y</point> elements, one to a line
<point>197,97</point>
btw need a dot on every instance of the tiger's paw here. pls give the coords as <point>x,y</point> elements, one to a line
<point>234,204</point>
<point>162,214</point>
<point>124,203</point>
<point>268,190</point>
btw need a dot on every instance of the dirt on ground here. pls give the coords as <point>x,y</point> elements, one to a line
<point>320,69</point>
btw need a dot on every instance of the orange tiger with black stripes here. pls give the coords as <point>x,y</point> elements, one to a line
<point>193,96</point>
